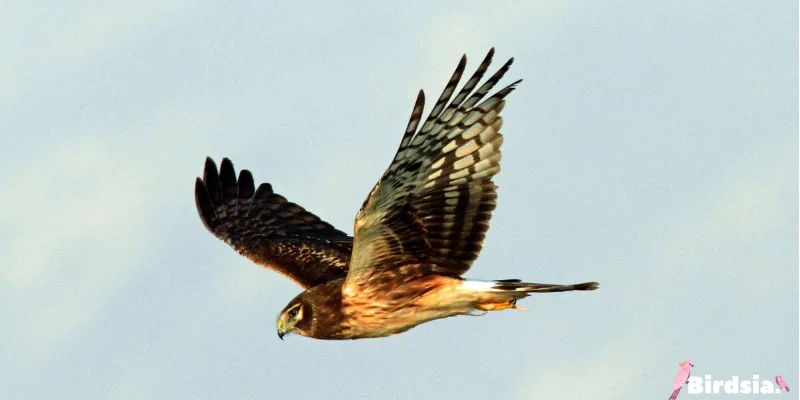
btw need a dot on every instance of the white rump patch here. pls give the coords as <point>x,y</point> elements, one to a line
<point>478,286</point>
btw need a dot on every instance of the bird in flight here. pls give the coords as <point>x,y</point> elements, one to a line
<point>416,234</point>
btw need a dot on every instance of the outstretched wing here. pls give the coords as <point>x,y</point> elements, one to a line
<point>269,230</point>
<point>433,204</point>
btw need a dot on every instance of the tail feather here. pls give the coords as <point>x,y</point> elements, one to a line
<point>503,294</point>
<point>516,285</point>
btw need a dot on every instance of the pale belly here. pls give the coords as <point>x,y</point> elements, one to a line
<point>397,313</point>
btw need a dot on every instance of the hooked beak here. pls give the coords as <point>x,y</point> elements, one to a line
<point>281,330</point>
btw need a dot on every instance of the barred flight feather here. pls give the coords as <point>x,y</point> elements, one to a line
<point>268,229</point>
<point>434,202</point>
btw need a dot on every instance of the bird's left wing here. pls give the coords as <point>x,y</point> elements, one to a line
<point>269,230</point>
<point>432,206</point>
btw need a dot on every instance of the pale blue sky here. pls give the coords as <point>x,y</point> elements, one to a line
<point>651,147</point>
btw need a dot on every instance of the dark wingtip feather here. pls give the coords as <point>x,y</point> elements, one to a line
<point>502,93</point>
<point>202,200</point>
<point>210,167</point>
<point>211,180</point>
<point>227,177</point>
<point>488,59</point>
<point>502,71</point>
<point>413,121</point>
<point>246,185</point>
<point>447,93</point>
<point>264,190</point>
<point>262,193</point>
<point>419,104</point>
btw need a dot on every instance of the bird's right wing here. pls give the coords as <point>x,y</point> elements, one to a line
<point>269,230</point>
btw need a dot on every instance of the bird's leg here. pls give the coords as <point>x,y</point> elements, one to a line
<point>498,306</point>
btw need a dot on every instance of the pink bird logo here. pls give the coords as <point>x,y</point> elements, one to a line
<point>782,383</point>
<point>681,377</point>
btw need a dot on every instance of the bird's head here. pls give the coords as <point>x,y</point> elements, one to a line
<point>295,317</point>
<point>686,364</point>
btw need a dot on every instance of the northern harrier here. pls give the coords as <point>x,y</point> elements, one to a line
<point>418,231</point>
